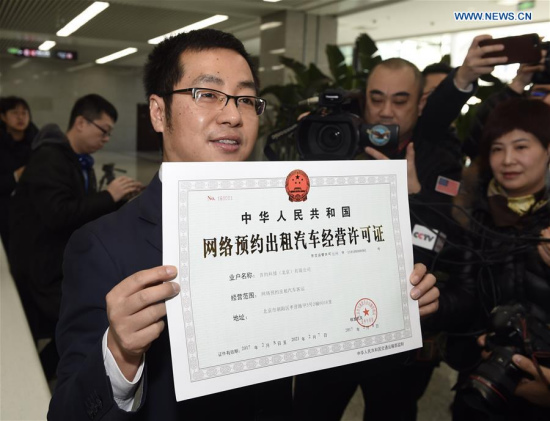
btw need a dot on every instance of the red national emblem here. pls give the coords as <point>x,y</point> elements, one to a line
<point>297,186</point>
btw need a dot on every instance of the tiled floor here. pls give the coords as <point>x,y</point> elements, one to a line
<point>434,405</point>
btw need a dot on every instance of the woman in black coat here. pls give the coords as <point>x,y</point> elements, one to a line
<point>505,264</point>
<point>16,135</point>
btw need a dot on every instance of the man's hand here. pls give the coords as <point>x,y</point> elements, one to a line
<point>482,341</point>
<point>18,173</point>
<point>123,187</point>
<point>544,248</point>
<point>535,391</point>
<point>475,65</point>
<point>135,308</point>
<point>524,76</point>
<point>413,185</point>
<point>424,290</point>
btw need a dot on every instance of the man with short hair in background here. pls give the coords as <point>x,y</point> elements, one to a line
<point>434,74</point>
<point>57,194</point>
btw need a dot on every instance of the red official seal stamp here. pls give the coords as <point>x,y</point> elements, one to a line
<point>297,186</point>
<point>366,312</point>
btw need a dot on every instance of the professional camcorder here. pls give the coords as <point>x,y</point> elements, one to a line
<point>514,330</point>
<point>332,132</point>
<point>543,77</point>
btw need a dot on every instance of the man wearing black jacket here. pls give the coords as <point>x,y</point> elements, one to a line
<point>56,195</point>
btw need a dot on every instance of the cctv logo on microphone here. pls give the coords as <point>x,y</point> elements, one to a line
<point>428,238</point>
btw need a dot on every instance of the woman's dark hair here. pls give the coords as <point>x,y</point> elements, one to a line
<point>11,102</point>
<point>163,69</point>
<point>530,115</point>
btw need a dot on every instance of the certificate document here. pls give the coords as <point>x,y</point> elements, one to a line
<point>285,268</point>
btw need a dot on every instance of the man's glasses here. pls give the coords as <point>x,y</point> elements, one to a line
<point>214,100</point>
<point>105,132</point>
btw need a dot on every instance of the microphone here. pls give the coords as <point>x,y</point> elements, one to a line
<point>332,97</point>
<point>314,100</point>
<point>429,239</point>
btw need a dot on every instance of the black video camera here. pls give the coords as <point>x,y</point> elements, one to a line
<point>514,330</point>
<point>543,77</point>
<point>333,132</point>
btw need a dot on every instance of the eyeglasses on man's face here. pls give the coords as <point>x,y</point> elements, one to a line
<point>214,100</point>
<point>105,132</point>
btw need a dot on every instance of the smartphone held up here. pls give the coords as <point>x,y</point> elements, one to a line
<point>518,49</point>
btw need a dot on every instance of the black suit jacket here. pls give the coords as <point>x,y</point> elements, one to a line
<point>50,202</point>
<point>437,153</point>
<point>98,257</point>
<point>13,155</point>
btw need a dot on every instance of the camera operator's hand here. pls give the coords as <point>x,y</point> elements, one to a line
<point>424,290</point>
<point>303,115</point>
<point>525,73</point>
<point>123,187</point>
<point>475,64</point>
<point>535,391</point>
<point>18,173</point>
<point>524,76</point>
<point>413,185</point>
<point>544,248</point>
<point>481,341</point>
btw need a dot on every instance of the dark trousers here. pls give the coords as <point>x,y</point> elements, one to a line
<point>390,388</point>
<point>41,326</point>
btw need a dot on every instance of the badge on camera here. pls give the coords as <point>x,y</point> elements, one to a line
<point>379,135</point>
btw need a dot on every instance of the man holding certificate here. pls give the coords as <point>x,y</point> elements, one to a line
<point>116,360</point>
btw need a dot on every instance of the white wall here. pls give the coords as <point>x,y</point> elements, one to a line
<point>429,49</point>
<point>416,18</point>
<point>51,92</point>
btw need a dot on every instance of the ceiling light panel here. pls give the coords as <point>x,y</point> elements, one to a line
<point>116,56</point>
<point>37,16</point>
<point>130,23</point>
<point>270,25</point>
<point>91,12</point>
<point>46,45</point>
<point>197,25</point>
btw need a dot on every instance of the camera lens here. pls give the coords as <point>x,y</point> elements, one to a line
<point>327,137</point>
<point>490,388</point>
<point>330,138</point>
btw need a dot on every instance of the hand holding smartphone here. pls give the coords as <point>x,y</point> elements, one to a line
<point>518,49</point>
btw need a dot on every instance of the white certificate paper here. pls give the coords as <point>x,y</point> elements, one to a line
<point>272,287</point>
